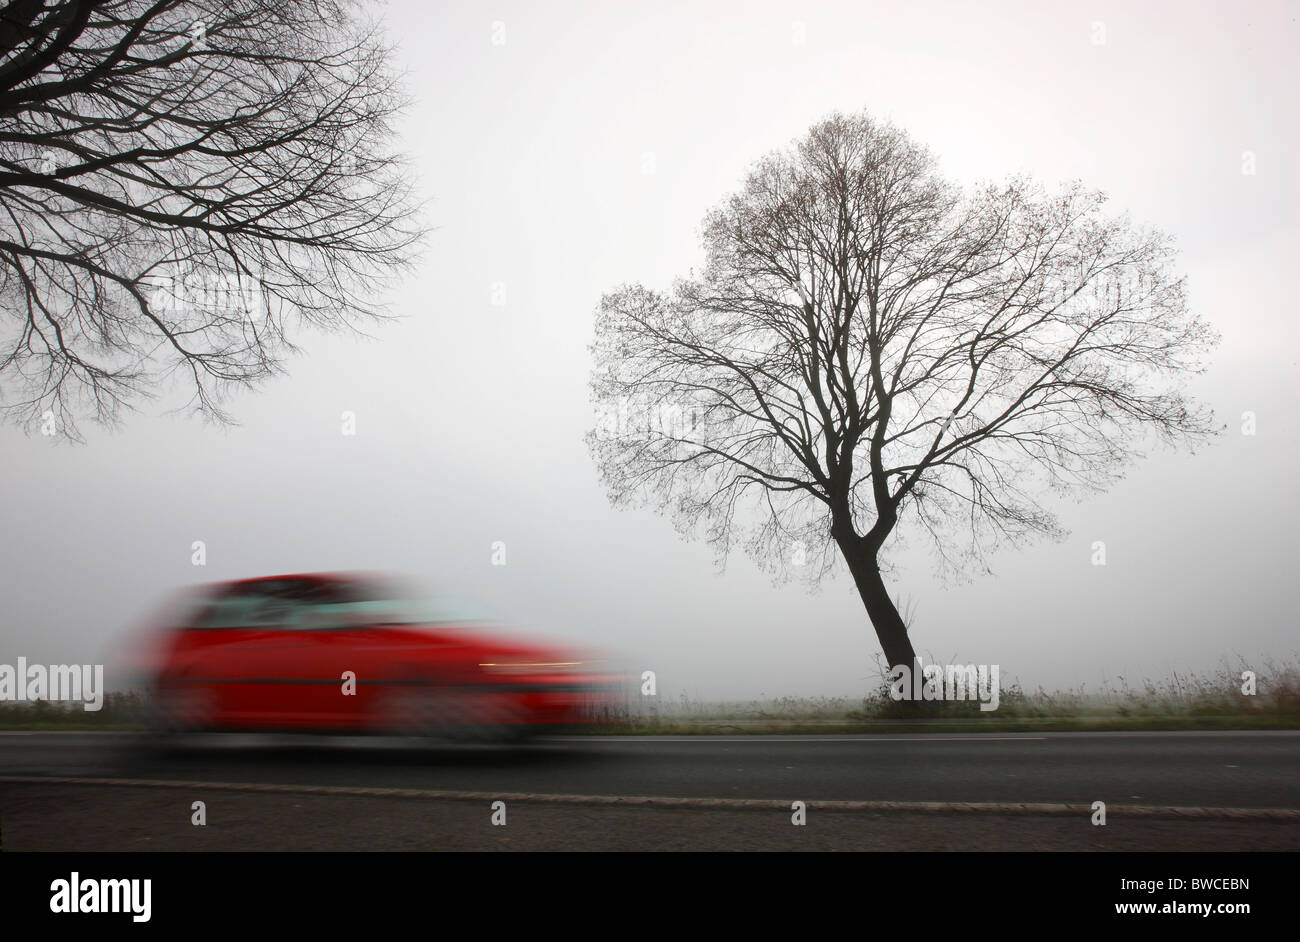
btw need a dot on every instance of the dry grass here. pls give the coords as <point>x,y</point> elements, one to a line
<point>1212,700</point>
<point>1180,701</point>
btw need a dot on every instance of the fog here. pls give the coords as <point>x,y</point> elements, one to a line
<point>582,153</point>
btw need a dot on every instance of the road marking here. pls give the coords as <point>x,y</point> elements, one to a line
<point>869,737</point>
<point>733,804</point>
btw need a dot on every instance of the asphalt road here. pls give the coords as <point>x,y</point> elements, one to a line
<point>1211,769</point>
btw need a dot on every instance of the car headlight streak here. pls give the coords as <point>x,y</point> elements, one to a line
<point>528,667</point>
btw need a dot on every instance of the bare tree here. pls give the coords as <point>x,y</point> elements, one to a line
<point>870,350</point>
<point>181,182</point>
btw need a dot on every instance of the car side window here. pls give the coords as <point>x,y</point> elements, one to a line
<point>265,604</point>
<point>245,610</point>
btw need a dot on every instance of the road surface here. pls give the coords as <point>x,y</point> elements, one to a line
<point>710,778</point>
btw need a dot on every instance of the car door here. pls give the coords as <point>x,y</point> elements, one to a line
<point>262,664</point>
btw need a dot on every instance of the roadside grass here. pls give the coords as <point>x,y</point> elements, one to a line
<point>120,711</point>
<point>1212,701</point>
<point>1181,701</point>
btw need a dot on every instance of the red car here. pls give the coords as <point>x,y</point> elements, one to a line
<point>354,653</point>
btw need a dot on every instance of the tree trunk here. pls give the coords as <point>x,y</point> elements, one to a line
<point>890,629</point>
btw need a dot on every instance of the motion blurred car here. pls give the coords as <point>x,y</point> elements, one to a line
<point>348,653</point>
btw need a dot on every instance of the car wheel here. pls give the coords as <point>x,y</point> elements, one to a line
<point>174,714</point>
<point>449,713</point>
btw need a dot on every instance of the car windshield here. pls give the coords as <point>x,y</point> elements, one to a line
<point>383,601</point>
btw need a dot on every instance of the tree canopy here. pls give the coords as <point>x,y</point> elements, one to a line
<point>182,183</point>
<point>871,349</point>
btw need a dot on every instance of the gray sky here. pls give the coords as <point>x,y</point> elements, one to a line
<point>582,153</point>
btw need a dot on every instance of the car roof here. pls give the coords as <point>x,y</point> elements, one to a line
<point>305,576</point>
<point>317,579</point>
